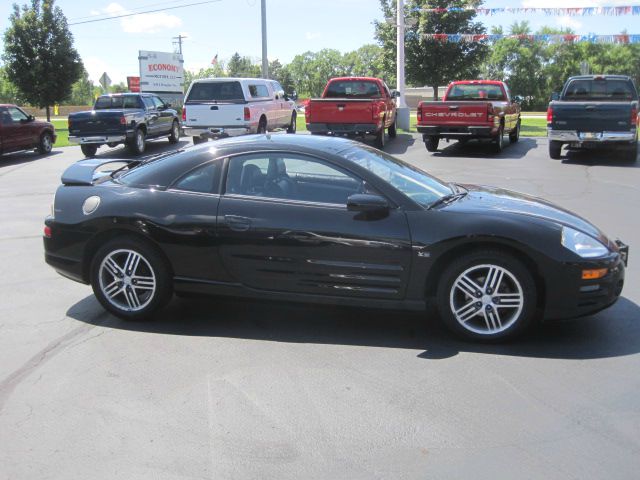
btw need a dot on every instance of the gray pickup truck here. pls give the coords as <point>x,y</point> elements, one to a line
<point>129,118</point>
<point>594,111</point>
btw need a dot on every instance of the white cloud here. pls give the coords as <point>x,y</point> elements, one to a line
<point>95,12</point>
<point>96,66</point>
<point>569,22</point>
<point>312,35</point>
<point>145,22</point>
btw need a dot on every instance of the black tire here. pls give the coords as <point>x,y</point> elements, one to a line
<point>380,138</point>
<point>632,153</point>
<point>89,150</point>
<point>474,311</point>
<point>138,143</point>
<point>555,149</point>
<point>431,142</point>
<point>293,125</point>
<point>262,126</point>
<point>497,142</point>
<point>197,140</point>
<point>46,143</point>
<point>174,135</point>
<point>113,287</point>
<point>514,135</point>
<point>393,129</point>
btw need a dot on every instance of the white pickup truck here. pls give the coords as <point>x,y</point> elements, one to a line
<point>228,107</point>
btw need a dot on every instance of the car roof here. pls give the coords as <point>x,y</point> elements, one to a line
<point>355,79</point>
<point>606,77</point>
<point>229,79</point>
<point>7,105</point>
<point>474,82</point>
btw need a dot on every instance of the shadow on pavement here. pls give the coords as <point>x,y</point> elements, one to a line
<point>484,149</point>
<point>18,158</point>
<point>612,333</point>
<point>592,158</point>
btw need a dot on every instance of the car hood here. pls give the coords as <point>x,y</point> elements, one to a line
<point>487,200</point>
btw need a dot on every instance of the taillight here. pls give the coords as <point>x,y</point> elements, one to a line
<point>375,112</point>
<point>419,113</point>
<point>123,121</point>
<point>47,231</point>
<point>184,113</point>
<point>68,123</point>
<point>247,114</point>
<point>490,111</point>
<point>550,115</point>
<point>634,116</point>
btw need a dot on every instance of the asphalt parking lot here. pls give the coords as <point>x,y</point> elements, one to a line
<point>224,389</point>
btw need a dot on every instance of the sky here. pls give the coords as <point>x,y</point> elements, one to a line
<point>293,27</point>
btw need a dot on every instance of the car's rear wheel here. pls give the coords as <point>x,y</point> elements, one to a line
<point>138,143</point>
<point>174,136</point>
<point>497,142</point>
<point>393,129</point>
<point>89,150</point>
<point>262,125</point>
<point>293,125</point>
<point>380,137</point>
<point>514,136</point>
<point>431,143</point>
<point>632,153</point>
<point>197,140</point>
<point>130,279</point>
<point>487,295</point>
<point>46,143</point>
<point>555,149</point>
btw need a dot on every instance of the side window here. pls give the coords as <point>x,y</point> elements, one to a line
<point>286,176</point>
<point>204,179</point>
<point>148,102</point>
<point>258,91</point>
<point>386,90</point>
<point>158,103</point>
<point>17,114</point>
<point>278,89</point>
<point>130,101</point>
<point>5,116</point>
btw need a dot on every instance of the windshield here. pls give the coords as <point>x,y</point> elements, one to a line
<point>117,102</point>
<point>413,182</point>
<point>599,89</point>
<point>216,92</point>
<point>481,91</point>
<point>352,89</point>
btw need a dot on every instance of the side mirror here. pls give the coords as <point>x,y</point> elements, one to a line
<point>518,99</point>
<point>395,94</point>
<point>364,202</point>
<point>30,118</point>
<point>555,96</point>
<point>294,95</point>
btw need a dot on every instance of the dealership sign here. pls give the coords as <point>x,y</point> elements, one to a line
<point>161,72</point>
<point>133,83</point>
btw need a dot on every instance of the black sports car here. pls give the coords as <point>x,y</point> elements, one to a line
<point>326,220</point>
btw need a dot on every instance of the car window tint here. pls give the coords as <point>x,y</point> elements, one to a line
<point>130,101</point>
<point>599,89</point>
<point>215,91</point>
<point>258,91</point>
<point>482,91</point>
<point>5,116</point>
<point>148,102</point>
<point>292,177</point>
<point>205,179</point>
<point>17,114</point>
<point>352,89</point>
<point>157,102</point>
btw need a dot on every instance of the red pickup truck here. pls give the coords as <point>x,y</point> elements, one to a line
<point>470,109</point>
<point>19,131</point>
<point>353,106</point>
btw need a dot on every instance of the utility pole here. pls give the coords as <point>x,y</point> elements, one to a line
<point>402,108</point>
<point>179,41</point>
<point>265,61</point>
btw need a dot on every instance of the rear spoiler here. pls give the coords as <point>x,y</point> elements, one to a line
<point>83,172</point>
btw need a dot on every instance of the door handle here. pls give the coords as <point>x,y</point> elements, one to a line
<point>238,224</point>
<point>590,107</point>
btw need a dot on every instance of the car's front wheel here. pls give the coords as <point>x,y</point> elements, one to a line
<point>89,150</point>
<point>130,279</point>
<point>46,143</point>
<point>487,295</point>
<point>293,125</point>
<point>174,135</point>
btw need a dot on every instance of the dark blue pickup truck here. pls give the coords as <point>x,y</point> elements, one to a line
<point>129,118</point>
<point>594,111</point>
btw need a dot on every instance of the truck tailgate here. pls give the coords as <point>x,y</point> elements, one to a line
<point>455,113</point>
<point>96,122</point>
<point>336,110</point>
<point>591,116</point>
<point>214,114</point>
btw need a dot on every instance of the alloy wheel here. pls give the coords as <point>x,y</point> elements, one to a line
<point>127,280</point>
<point>486,299</point>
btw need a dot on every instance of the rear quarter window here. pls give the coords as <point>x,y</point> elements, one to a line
<point>216,92</point>
<point>258,91</point>
<point>595,89</point>
<point>352,89</point>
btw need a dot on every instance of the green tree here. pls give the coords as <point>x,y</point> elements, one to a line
<point>242,67</point>
<point>429,61</point>
<point>368,61</point>
<point>282,74</point>
<point>312,70</point>
<point>40,58</point>
<point>118,88</point>
<point>213,71</point>
<point>8,91</point>
<point>81,91</point>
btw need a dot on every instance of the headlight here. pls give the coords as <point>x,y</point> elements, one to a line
<point>582,244</point>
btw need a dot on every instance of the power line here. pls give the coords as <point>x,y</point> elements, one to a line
<point>133,9</point>
<point>141,13</point>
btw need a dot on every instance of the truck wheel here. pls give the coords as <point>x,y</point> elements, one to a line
<point>138,142</point>
<point>393,129</point>
<point>174,135</point>
<point>632,153</point>
<point>89,150</point>
<point>292,126</point>
<point>514,136</point>
<point>46,143</point>
<point>380,138</point>
<point>431,142</point>
<point>554,149</point>
<point>197,140</point>
<point>262,126</point>
<point>497,142</point>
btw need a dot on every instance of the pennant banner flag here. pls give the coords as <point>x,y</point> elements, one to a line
<point>563,11</point>
<point>556,38</point>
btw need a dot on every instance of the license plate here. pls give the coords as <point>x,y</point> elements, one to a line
<point>589,135</point>
<point>624,252</point>
<point>94,139</point>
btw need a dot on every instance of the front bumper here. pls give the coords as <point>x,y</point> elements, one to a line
<point>216,132</point>
<point>569,296</point>
<point>97,139</point>
<point>572,136</point>
<point>462,131</point>
<point>344,128</point>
